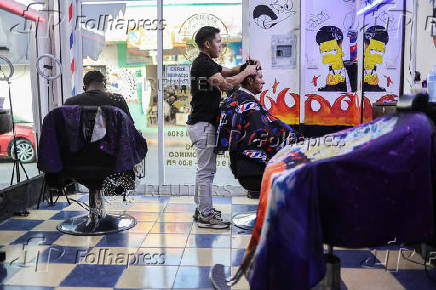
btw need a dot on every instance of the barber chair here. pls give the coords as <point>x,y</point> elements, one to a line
<point>251,183</point>
<point>90,166</point>
<point>332,276</point>
<point>406,103</point>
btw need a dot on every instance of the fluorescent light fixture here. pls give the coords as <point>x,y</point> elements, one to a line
<point>371,7</point>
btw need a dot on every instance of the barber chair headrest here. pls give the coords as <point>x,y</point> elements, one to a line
<point>415,103</point>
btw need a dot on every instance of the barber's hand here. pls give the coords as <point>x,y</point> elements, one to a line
<point>256,63</point>
<point>251,70</point>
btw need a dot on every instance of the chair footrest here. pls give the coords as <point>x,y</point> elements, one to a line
<point>245,221</point>
<point>83,225</point>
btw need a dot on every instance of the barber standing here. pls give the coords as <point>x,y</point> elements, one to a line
<point>208,80</point>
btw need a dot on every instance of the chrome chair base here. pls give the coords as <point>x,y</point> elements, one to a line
<point>84,225</point>
<point>245,221</point>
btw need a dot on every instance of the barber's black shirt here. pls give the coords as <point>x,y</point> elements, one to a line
<point>99,98</point>
<point>205,98</point>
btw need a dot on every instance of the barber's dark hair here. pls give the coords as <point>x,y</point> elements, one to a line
<point>376,32</point>
<point>206,33</point>
<point>327,33</point>
<point>93,76</point>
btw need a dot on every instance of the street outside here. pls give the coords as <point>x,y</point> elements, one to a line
<point>6,166</point>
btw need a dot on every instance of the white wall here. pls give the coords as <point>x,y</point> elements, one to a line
<point>425,48</point>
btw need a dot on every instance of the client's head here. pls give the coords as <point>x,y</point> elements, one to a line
<point>254,83</point>
<point>94,80</point>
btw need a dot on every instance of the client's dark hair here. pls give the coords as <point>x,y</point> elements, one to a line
<point>206,33</point>
<point>243,67</point>
<point>93,76</point>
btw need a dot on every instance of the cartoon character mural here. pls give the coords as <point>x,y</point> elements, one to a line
<point>375,40</point>
<point>267,16</point>
<point>329,39</point>
<point>337,83</point>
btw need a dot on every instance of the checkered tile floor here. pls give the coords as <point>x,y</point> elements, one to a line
<point>165,249</point>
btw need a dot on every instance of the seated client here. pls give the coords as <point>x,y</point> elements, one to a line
<point>250,133</point>
<point>94,85</point>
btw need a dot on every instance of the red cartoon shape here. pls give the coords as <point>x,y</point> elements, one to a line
<point>388,81</point>
<point>315,80</point>
<point>276,83</point>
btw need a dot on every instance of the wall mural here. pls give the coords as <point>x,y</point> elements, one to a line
<point>333,35</point>
<point>275,24</point>
<point>382,40</point>
<point>282,104</point>
<point>330,89</point>
<point>275,11</point>
<point>330,64</point>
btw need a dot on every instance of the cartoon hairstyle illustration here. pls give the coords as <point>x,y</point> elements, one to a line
<point>264,10</point>
<point>267,16</point>
<point>376,32</point>
<point>327,33</point>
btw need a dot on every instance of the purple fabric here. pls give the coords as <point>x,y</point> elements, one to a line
<point>61,129</point>
<point>379,190</point>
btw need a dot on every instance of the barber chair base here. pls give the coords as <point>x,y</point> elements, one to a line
<point>245,221</point>
<point>83,225</point>
<point>218,278</point>
<point>332,277</point>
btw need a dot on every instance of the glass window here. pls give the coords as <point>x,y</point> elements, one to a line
<point>182,21</point>
<point>120,40</point>
<point>15,47</point>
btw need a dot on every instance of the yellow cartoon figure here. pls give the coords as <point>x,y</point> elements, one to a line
<point>375,40</point>
<point>329,39</point>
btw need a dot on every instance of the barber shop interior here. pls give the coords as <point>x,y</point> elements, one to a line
<point>217,144</point>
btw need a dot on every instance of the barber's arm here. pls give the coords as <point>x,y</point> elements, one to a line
<point>230,72</point>
<point>225,84</point>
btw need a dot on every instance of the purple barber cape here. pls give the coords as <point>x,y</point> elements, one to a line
<point>61,130</point>
<point>372,186</point>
